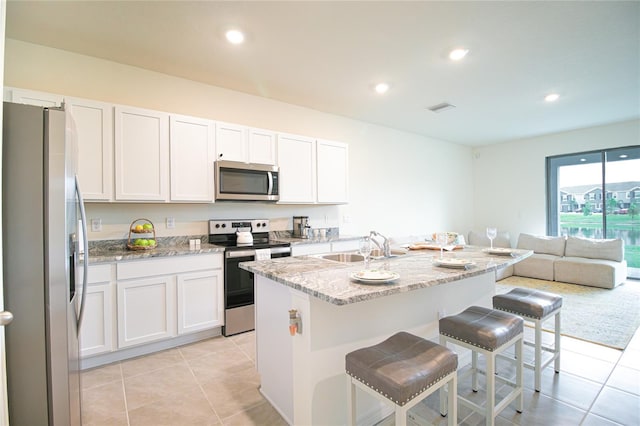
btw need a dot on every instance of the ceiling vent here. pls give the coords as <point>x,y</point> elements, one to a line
<point>441,107</point>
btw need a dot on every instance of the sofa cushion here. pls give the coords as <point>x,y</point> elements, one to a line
<point>595,249</point>
<point>503,239</point>
<point>591,272</point>
<point>536,266</point>
<point>542,244</point>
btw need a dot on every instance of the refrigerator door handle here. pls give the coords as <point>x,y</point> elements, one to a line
<point>85,263</point>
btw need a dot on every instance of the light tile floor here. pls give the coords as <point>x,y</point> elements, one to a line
<point>214,382</point>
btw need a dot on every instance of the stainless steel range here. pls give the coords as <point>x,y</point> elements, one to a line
<point>244,241</point>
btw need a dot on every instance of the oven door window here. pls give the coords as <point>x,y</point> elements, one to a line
<point>250,182</point>
<point>238,283</point>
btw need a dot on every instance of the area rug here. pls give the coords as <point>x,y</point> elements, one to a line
<point>603,316</point>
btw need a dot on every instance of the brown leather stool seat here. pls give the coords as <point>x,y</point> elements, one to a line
<point>535,306</point>
<point>488,332</point>
<point>402,368</point>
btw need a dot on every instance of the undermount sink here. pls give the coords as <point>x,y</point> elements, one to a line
<point>343,257</point>
<point>377,253</point>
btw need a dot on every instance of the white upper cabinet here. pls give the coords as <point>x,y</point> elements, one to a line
<point>262,146</point>
<point>94,127</point>
<point>297,162</point>
<point>245,144</point>
<point>192,154</point>
<point>32,97</point>
<point>333,171</point>
<point>141,154</point>
<point>231,142</point>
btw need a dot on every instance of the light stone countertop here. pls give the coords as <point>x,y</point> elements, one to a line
<point>119,253</point>
<point>331,281</point>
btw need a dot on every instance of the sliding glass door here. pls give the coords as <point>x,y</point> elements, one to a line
<point>597,195</point>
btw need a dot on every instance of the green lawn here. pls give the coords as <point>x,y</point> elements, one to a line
<point>624,223</point>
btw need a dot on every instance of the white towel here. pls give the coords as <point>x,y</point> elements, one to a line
<point>263,254</point>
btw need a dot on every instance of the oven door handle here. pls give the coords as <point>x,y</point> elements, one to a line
<point>252,253</point>
<point>240,253</point>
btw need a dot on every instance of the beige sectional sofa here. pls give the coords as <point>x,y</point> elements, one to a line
<point>596,263</point>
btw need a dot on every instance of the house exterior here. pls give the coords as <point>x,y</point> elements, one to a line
<point>574,198</point>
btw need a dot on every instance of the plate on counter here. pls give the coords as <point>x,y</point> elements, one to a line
<point>375,276</point>
<point>453,263</point>
<point>500,251</point>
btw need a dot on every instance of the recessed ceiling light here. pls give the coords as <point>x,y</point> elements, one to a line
<point>234,36</point>
<point>381,88</point>
<point>457,54</point>
<point>623,155</point>
<point>583,159</point>
<point>551,97</point>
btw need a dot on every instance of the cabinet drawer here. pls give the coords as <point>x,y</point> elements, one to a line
<point>97,273</point>
<point>167,266</point>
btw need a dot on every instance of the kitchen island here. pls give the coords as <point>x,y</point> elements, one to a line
<point>303,375</point>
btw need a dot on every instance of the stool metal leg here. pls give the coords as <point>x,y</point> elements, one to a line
<point>556,364</point>
<point>491,390</point>
<point>474,371</point>
<point>519,371</point>
<point>538,354</point>
<point>453,401</point>
<point>351,401</point>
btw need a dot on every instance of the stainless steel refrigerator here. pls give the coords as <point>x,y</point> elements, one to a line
<point>41,208</point>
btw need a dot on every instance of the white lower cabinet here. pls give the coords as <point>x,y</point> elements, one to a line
<point>146,310</point>
<point>158,299</point>
<point>98,319</point>
<point>200,304</point>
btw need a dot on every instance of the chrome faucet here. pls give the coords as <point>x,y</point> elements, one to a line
<point>385,247</point>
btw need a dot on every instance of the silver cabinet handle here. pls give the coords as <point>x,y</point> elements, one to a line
<point>6,317</point>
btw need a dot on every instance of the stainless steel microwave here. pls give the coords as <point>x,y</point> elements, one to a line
<point>236,181</point>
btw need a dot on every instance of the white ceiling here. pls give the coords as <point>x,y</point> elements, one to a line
<point>328,55</point>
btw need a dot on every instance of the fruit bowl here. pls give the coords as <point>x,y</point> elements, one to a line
<point>144,235</point>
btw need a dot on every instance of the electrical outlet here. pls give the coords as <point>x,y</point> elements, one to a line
<point>96,225</point>
<point>346,218</point>
<point>171,223</point>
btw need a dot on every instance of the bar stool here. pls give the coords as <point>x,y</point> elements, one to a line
<point>403,369</point>
<point>488,332</point>
<point>537,307</point>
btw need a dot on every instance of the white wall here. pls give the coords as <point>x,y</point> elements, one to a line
<point>400,183</point>
<point>509,178</point>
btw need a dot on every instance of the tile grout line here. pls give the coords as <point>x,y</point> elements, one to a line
<point>215,412</point>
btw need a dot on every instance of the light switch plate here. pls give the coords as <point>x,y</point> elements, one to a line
<point>171,223</point>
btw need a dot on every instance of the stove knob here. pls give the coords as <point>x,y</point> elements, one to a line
<point>264,224</point>
<point>217,225</point>
<point>258,225</point>
<point>224,225</point>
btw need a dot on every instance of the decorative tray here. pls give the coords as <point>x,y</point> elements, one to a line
<point>433,246</point>
<point>500,251</point>
<point>375,276</point>
<point>453,263</point>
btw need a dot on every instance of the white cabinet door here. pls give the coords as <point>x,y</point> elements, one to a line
<point>94,126</point>
<point>200,301</point>
<point>192,155</point>
<point>97,321</point>
<point>142,154</point>
<point>146,310</point>
<point>333,171</point>
<point>32,97</point>
<point>231,142</point>
<point>297,162</point>
<point>262,146</point>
